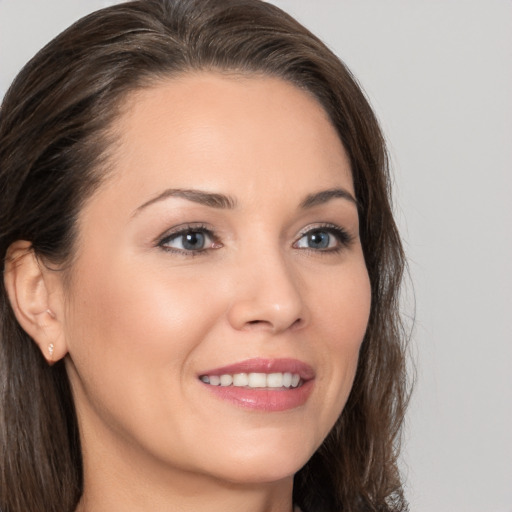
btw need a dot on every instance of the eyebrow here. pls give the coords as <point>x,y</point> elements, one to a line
<point>324,196</point>
<point>221,201</point>
<point>213,200</point>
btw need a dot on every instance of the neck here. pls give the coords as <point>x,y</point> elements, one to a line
<point>120,479</point>
<point>200,494</point>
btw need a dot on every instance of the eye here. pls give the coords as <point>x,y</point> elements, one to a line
<point>328,238</point>
<point>189,240</point>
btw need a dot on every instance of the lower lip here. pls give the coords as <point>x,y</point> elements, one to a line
<point>269,400</point>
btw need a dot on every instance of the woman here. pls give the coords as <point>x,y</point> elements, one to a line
<point>199,307</point>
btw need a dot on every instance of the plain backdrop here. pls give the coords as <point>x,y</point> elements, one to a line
<point>439,76</point>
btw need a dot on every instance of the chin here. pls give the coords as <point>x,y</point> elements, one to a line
<point>263,462</point>
<point>260,472</point>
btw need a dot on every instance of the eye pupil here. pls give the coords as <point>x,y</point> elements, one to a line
<point>318,240</point>
<point>193,240</point>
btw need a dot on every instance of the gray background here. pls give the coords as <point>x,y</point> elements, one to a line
<point>439,76</point>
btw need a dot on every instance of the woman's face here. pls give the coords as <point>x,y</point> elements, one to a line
<point>223,246</point>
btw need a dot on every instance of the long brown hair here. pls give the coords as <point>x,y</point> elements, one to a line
<point>54,142</point>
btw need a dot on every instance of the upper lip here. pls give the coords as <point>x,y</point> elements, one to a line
<point>262,365</point>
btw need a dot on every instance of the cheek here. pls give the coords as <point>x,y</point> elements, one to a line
<point>139,306</point>
<point>343,311</point>
<point>343,307</point>
<point>134,331</point>
<point>133,342</point>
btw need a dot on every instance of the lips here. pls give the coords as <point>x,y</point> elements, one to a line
<point>262,384</point>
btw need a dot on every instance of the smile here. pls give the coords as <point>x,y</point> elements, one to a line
<point>254,380</point>
<point>266,385</point>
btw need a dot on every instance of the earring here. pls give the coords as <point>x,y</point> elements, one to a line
<point>50,350</point>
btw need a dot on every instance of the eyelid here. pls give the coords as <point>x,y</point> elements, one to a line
<point>183,229</point>
<point>342,235</point>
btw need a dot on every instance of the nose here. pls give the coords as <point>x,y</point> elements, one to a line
<point>267,296</point>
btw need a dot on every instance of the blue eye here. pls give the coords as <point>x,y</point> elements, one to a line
<point>323,239</point>
<point>189,240</point>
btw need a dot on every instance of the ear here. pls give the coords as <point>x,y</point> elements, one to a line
<point>35,293</point>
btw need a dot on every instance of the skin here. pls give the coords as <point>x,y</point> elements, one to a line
<point>140,322</point>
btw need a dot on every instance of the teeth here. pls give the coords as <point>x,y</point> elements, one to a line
<point>257,380</point>
<point>226,380</point>
<point>214,380</point>
<point>287,379</point>
<point>254,380</point>
<point>240,379</point>
<point>275,380</point>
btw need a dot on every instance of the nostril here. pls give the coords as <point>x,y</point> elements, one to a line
<point>266,312</point>
<point>258,323</point>
<point>297,323</point>
<point>268,324</point>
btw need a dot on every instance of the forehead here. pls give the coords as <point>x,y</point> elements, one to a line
<point>235,132</point>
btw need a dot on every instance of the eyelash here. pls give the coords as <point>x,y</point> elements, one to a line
<point>184,230</point>
<point>342,237</point>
